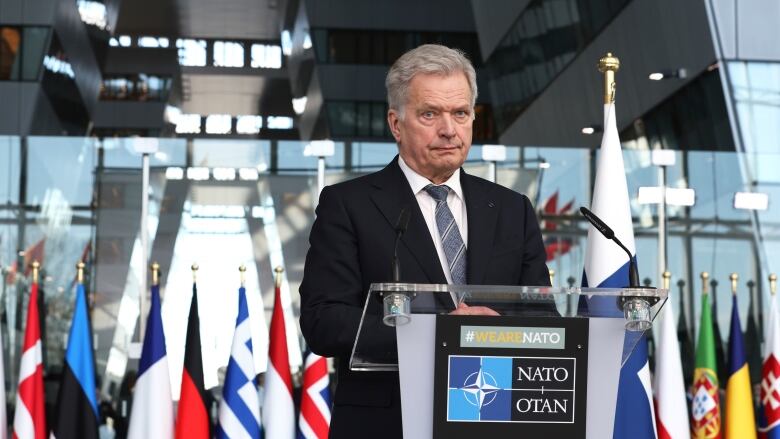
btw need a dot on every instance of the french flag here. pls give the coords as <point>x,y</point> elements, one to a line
<point>152,413</point>
<point>606,266</point>
<point>314,420</point>
<point>278,408</point>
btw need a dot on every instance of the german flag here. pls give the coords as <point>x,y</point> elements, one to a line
<point>192,420</point>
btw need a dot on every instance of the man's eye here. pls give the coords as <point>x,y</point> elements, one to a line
<point>428,114</point>
<point>461,114</point>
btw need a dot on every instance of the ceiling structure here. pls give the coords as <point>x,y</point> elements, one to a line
<point>207,90</point>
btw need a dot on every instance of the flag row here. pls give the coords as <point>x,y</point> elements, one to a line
<point>153,413</point>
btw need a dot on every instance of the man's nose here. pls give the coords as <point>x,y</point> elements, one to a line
<point>447,126</point>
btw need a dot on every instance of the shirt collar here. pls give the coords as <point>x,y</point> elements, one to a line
<point>418,182</point>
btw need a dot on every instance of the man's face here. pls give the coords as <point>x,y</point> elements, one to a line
<point>434,135</point>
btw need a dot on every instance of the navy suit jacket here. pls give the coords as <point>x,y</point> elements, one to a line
<point>352,246</point>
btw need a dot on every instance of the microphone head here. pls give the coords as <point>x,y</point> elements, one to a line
<point>597,223</point>
<point>403,220</point>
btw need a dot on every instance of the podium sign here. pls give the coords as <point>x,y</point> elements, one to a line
<point>510,377</point>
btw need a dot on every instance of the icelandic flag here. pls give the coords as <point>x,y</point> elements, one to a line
<point>77,410</point>
<point>30,415</point>
<point>278,408</point>
<point>239,412</point>
<point>152,412</point>
<point>314,420</point>
<point>606,266</point>
<point>769,411</point>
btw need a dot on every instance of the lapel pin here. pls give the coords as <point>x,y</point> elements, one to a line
<point>490,204</point>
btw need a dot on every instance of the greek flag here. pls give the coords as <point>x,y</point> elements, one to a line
<point>239,412</point>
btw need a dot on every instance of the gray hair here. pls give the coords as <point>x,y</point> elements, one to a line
<point>428,59</point>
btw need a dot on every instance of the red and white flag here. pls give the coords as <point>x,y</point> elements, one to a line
<point>769,408</point>
<point>278,408</point>
<point>30,416</point>
<point>671,405</point>
<point>314,421</point>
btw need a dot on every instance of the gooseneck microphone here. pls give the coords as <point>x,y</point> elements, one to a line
<point>604,229</point>
<point>400,228</point>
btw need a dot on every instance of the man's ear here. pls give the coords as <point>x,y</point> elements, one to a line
<point>394,122</point>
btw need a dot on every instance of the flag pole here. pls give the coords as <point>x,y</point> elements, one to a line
<point>773,283</point>
<point>155,274</point>
<point>35,269</point>
<point>734,277</point>
<point>194,273</point>
<point>278,276</point>
<point>242,270</point>
<point>609,64</point>
<point>80,269</point>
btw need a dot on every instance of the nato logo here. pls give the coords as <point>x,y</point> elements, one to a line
<point>479,389</point>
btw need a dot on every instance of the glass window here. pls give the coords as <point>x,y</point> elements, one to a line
<point>372,154</point>
<point>120,153</point>
<point>291,157</point>
<point>218,124</point>
<point>35,41</point>
<point>232,153</point>
<point>10,44</point>
<point>191,52</point>
<point>279,122</point>
<point>228,54</point>
<point>9,169</point>
<point>266,56</point>
<point>188,124</point>
<point>249,124</point>
<point>60,171</point>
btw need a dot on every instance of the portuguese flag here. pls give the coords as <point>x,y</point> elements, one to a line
<point>705,408</point>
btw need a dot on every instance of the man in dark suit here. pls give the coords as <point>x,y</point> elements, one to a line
<point>462,230</point>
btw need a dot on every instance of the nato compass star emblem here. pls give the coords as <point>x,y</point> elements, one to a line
<point>480,388</point>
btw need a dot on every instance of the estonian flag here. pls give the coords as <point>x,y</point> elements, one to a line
<point>77,410</point>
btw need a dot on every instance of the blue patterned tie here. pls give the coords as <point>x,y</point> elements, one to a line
<point>451,240</point>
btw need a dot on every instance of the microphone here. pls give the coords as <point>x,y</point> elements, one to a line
<point>400,228</point>
<point>604,229</point>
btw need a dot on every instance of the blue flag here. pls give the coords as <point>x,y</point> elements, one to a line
<point>77,409</point>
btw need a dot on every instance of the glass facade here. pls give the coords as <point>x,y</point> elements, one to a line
<point>544,39</point>
<point>82,200</point>
<point>383,47</point>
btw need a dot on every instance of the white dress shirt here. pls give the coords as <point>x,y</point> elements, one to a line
<point>455,202</point>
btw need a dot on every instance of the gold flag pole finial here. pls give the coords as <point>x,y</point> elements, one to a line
<point>704,277</point>
<point>609,64</point>
<point>278,270</point>
<point>667,277</point>
<point>194,272</point>
<point>35,267</point>
<point>773,283</point>
<point>242,270</point>
<point>552,277</point>
<point>80,267</point>
<point>733,277</point>
<point>155,274</point>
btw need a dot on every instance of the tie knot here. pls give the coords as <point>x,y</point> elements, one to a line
<point>439,193</point>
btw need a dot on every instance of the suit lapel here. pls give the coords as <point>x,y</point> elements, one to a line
<point>392,193</point>
<point>482,211</point>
